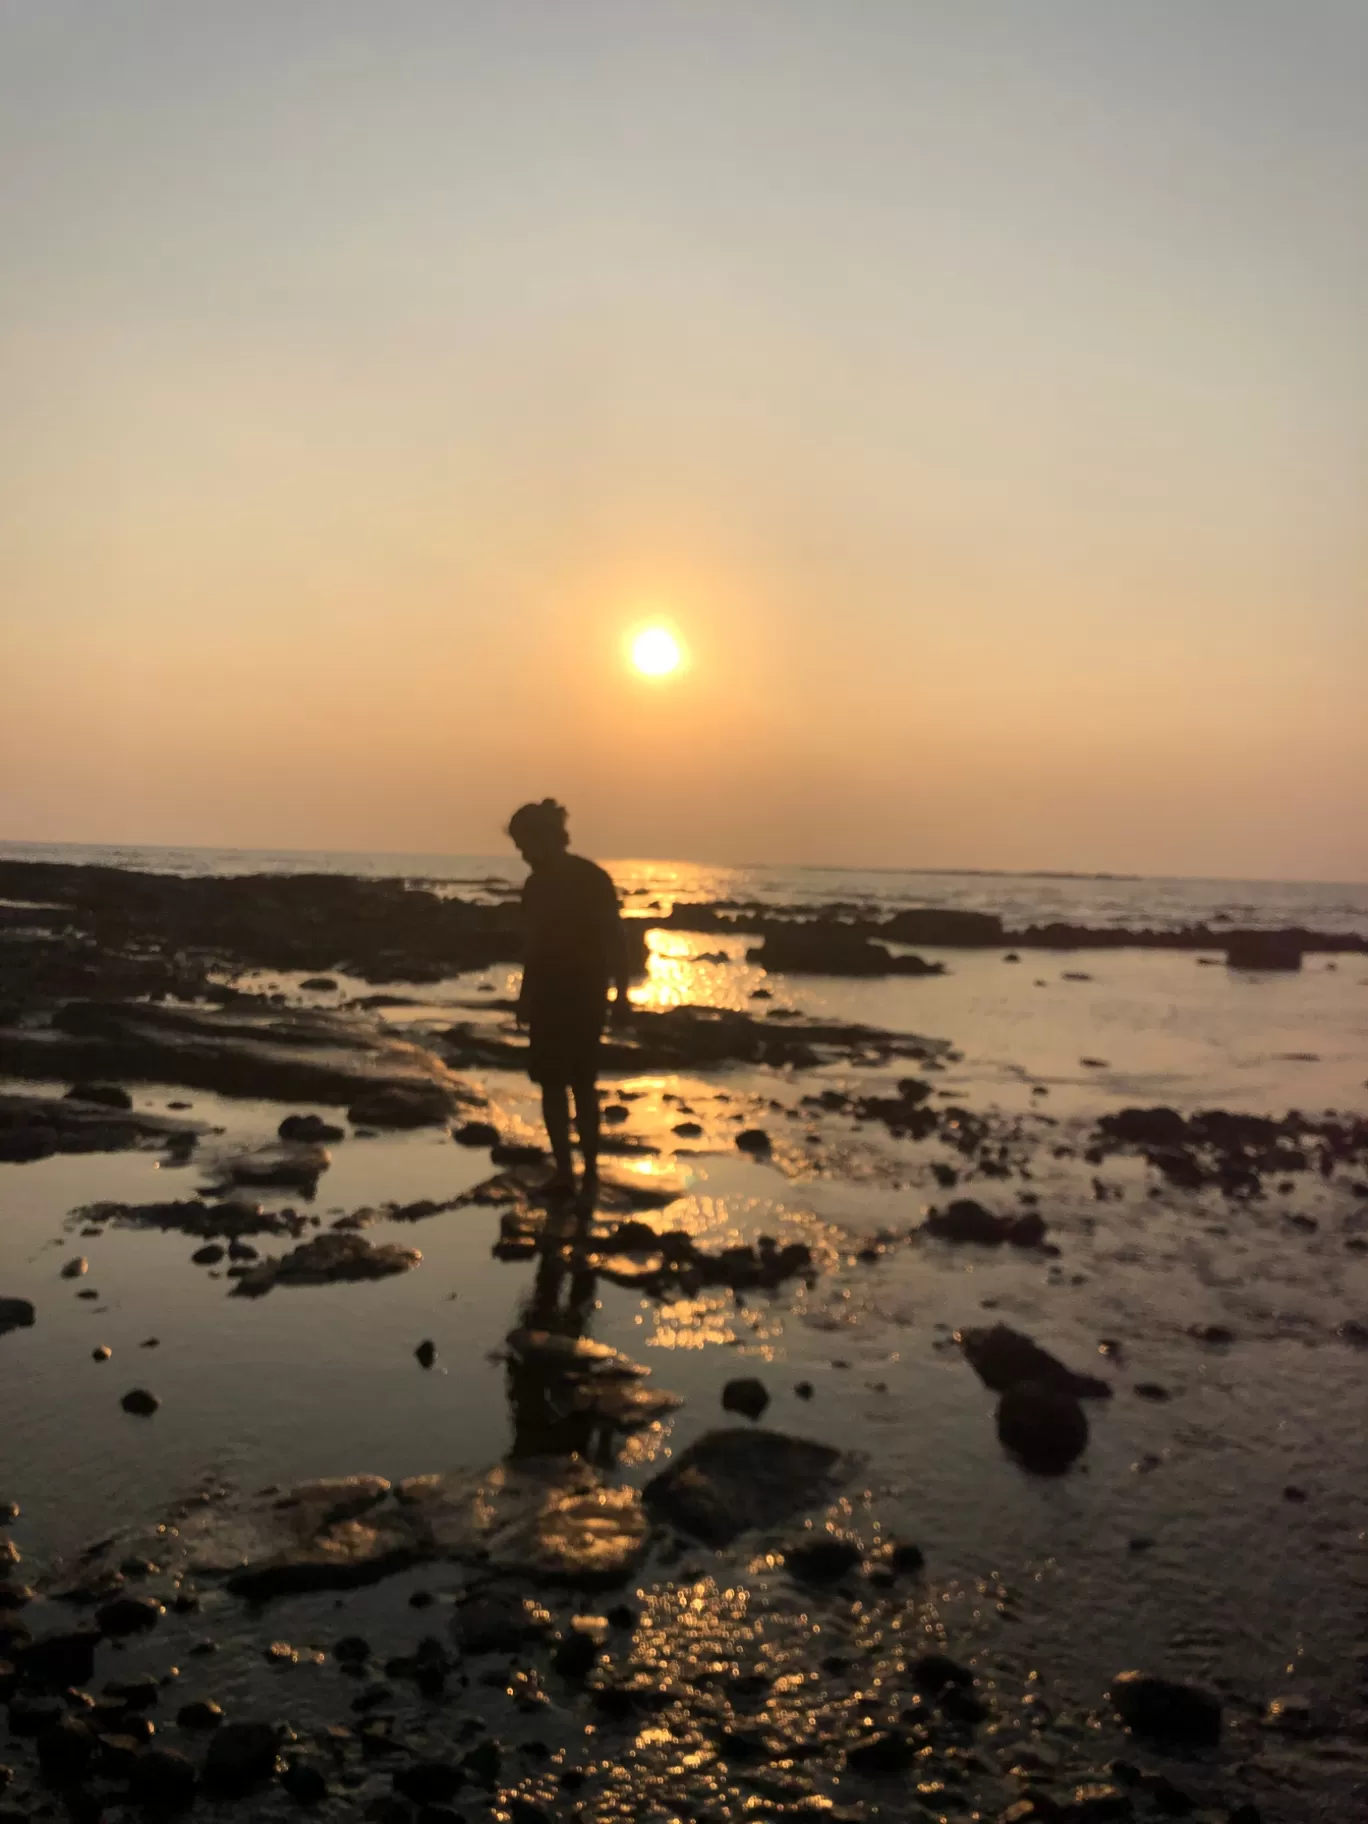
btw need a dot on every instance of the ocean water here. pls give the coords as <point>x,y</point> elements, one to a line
<point>1022,899</point>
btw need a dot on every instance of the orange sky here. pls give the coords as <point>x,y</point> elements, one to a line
<point>981,391</point>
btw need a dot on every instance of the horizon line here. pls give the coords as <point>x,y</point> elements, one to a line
<point>811,867</point>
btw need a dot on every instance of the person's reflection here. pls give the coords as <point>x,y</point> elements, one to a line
<point>547,1418</point>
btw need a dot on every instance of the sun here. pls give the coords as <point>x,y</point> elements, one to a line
<point>656,652</point>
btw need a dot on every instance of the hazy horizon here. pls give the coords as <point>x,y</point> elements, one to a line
<point>981,394</point>
<point>509,856</point>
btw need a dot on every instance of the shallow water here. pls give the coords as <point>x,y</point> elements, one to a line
<point>1238,1586</point>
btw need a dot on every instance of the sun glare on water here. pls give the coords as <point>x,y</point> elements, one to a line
<point>656,652</point>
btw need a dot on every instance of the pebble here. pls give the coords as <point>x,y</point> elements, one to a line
<point>139,1400</point>
<point>75,1268</point>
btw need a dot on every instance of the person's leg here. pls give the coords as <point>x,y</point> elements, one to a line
<point>587,1121</point>
<point>556,1114</point>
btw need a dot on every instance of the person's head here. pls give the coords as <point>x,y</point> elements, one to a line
<point>539,832</point>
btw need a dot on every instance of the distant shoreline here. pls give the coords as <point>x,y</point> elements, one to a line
<point>18,849</point>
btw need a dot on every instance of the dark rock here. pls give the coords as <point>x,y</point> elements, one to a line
<point>1151,1390</point>
<point>204,1713</point>
<point>512,1152</point>
<point>429,1782</point>
<point>352,1650</point>
<point>726,1482</point>
<point>746,1396</point>
<point>1044,1427</point>
<point>1264,950</point>
<point>327,1259</point>
<point>426,1352</point>
<point>313,1130</point>
<point>1003,1357</point>
<point>687,1130</point>
<point>886,1751</point>
<point>15,1314</point>
<point>403,1105</point>
<point>937,1672</point>
<point>209,1255</point>
<point>1293,1493</point>
<point>31,1712</point>
<point>164,1780</point>
<point>823,1558</point>
<point>100,1354</point>
<point>967,1221</point>
<point>756,1141</point>
<point>107,1095</point>
<point>827,947</point>
<point>66,1750</point>
<point>803,1389</point>
<point>1158,1708</point>
<point>237,1251</point>
<point>128,1615</point>
<point>1215,1334</point>
<point>904,1558</point>
<point>76,1267</point>
<point>500,1622</point>
<point>476,1133</point>
<point>59,1660</point>
<point>304,1783</point>
<point>319,984</point>
<point>139,1400</point>
<point>484,1761</point>
<point>241,1755</point>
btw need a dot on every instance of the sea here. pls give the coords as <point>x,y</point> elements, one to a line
<point>1131,901</point>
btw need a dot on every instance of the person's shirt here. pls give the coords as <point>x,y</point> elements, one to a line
<point>571,923</point>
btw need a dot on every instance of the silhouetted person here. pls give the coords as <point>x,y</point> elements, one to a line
<point>573,953</point>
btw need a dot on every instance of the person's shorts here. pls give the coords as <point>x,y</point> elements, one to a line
<point>564,1026</point>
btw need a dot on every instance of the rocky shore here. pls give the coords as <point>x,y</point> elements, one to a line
<point>655,1603</point>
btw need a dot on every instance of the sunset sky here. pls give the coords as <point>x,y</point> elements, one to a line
<point>978,390</point>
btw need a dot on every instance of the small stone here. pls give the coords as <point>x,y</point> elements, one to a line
<point>75,1268</point>
<point>128,1615</point>
<point>883,1752</point>
<point>101,1354</point>
<point>202,1714</point>
<point>426,1352</point>
<point>1151,1390</point>
<point>905,1558</point>
<point>747,1396</point>
<point>209,1255</point>
<point>431,1782</point>
<point>823,1558</point>
<point>755,1141</point>
<point>138,1400</point>
<point>1293,1493</point>
<point>352,1649</point>
<point>476,1133</point>
<point>804,1390</point>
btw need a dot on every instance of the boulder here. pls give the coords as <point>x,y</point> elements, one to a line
<point>163,1781</point>
<point>128,1615</point>
<point>241,1755</point>
<point>727,1482</point>
<point>312,1130</point>
<point>327,1259</point>
<point>1003,1358</point>
<point>15,1314</point>
<point>827,947</point>
<point>403,1105</point>
<point>745,1395</point>
<point>59,1660</point>
<point>1043,1427</point>
<point>823,1557</point>
<point>292,1165</point>
<point>939,925</point>
<point>106,1095</point>
<point>476,1133</point>
<point>1264,950</point>
<point>570,1357</point>
<point>1165,1711</point>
